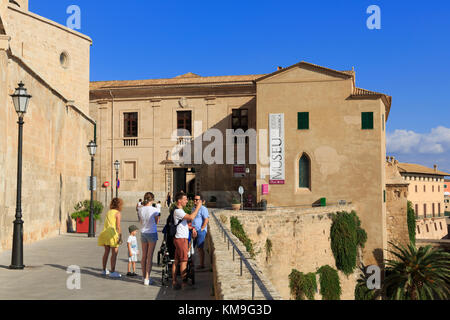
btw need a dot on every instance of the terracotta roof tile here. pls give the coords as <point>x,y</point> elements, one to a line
<point>417,168</point>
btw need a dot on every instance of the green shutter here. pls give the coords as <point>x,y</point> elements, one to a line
<point>367,120</point>
<point>303,121</point>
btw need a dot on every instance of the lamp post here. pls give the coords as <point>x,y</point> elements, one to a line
<point>20,99</point>
<point>117,166</point>
<point>92,148</point>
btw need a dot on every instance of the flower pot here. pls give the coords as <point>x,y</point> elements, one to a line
<point>236,207</point>
<point>83,227</point>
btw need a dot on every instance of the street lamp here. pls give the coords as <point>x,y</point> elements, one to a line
<point>20,99</point>
<point>117,166</point>
<point>92,148</point>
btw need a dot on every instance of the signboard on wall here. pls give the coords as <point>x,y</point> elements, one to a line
<point>239,171</point>
<point>265,189</point>
<point>276,145</point>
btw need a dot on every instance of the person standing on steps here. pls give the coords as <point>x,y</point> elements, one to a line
<point>111,237</point>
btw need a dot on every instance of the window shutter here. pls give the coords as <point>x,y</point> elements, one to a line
<point>303,121</point>
<point>367,120</point>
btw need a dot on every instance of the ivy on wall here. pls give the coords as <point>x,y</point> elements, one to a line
<point>302,285</point>
<point>330,285</point>
<point>346,236</point>
<point>238,230</point>
<point>411,218</point>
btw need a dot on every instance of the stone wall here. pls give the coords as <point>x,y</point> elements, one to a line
<point>300,240</point>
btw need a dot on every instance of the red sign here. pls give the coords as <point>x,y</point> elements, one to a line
<point>106,184</point>
<point>265,189</point>
<point>276,181</point>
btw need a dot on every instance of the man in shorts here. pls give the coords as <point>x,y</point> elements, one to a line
<point>180,240</point>
<point>200,224</point>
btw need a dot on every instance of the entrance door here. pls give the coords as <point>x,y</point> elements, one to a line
<point>179,180</point>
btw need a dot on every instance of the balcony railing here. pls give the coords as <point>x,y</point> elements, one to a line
<point>130,142</point>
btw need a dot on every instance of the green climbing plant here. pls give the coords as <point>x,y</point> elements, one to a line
<point>411,218</point>
<point>330,285</point>
<point>302,285</point>
<point>238,230</point>
<point>346,236</point>
<point>268,247</point>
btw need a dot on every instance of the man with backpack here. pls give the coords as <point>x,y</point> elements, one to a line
<point>180,227</point>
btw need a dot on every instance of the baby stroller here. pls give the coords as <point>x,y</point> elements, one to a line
<point>166,258</point>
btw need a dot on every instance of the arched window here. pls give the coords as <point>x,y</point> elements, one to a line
<point>304,172</point>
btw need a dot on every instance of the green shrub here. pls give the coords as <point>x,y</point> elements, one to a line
<point>235,201</point>
<point>302,285</point>
<point>82,210</point>
<point>238,231</point>
<point>268,247</point>
<point>346,236</point>
<point>330,285</point>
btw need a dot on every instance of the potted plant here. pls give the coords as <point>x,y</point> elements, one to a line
<point>212,202</point>
<point>81,215</point>
<point>236,204</point>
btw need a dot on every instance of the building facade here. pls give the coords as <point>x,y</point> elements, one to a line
<point>447,196</point>
<point>327,141</point>
<point>53,63</point>
<point>426,189</point>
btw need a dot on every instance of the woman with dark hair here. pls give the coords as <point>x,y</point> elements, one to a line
<point>149,217</point>
<point>111,237</point>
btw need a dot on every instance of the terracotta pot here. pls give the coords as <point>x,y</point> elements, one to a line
<point>236,207</point>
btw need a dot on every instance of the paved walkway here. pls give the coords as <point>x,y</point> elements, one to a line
<point>45,276</point>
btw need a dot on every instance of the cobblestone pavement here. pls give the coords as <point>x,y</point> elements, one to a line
<point>45,275</point>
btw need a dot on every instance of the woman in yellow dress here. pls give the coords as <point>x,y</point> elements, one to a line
<point>111,237</point>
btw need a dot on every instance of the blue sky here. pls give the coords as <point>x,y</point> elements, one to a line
<point>408,58</point>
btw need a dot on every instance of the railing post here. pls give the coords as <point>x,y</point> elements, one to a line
<point>253,288</point>
<point>228,244</point>
<point>233,253</point>
<point>241,266</point>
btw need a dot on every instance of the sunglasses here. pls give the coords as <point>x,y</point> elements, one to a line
<point>197,199</point>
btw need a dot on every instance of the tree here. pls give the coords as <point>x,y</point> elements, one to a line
<point>418,274</point>
<point>411,218</point>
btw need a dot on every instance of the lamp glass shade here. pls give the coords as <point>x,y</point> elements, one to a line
<point>21,99</point>
<point>117,165</point>
<point>92,148</point>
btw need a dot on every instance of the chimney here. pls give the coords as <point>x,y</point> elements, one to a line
<point>435,168</point>
<point>280,68</point>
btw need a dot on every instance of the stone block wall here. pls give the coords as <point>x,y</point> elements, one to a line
<point>300,240</point>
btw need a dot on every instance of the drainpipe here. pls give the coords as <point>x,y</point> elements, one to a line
<point>112,144</point>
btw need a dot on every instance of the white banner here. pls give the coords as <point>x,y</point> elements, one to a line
<point>276,145</point>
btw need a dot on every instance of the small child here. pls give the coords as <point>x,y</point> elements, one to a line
<point>133,251</point>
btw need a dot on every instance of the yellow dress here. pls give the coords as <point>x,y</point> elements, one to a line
<point>109,236</point>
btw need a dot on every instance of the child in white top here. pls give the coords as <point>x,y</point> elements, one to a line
<point>133,251</point>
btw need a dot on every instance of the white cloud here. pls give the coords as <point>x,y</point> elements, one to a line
<point>409,142</point>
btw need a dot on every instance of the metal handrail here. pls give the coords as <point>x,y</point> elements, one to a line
<point>255,277</point>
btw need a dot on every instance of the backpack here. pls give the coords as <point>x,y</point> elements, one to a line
<point>171,227</point>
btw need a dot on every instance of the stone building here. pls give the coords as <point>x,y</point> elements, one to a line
<point>53,63</point>
<point>426,189</point>
<point>326,142</point>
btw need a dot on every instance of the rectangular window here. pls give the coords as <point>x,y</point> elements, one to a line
<point>367,120</point>
<point>384,195</point>
<point>439,188</point>
<point>439,209</point>
<point>424,210</point>
<point>418,229</point>
<point>184,123</point>
<point>428,230</point>
<point>130,125</point>
<point>424,188</point>
<point>435,226</point>
<point>440,223</point>
<point>239,119</point>
<point>416,189</point>
<point>432,209</point>
<point>432,188</point>
<point>417,210</point>
<point>303,121</point>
